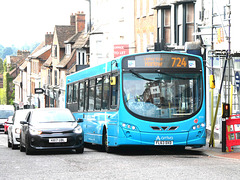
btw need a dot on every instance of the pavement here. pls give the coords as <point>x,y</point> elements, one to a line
<point>216,151</point>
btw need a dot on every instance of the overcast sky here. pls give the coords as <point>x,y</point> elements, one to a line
<point>27,21</point>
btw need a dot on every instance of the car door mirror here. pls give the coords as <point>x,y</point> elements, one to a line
<point>79,120</point>
<point>23,122</point>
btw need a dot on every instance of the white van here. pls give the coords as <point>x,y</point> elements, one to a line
<point>5,112</point>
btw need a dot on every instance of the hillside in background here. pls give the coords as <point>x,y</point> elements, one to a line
<point>5,51</point>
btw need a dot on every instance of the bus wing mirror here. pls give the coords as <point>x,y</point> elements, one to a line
<point>113,81</point>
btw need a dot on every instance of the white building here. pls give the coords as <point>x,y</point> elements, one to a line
<point>112,32</point>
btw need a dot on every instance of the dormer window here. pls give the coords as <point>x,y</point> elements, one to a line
<point>68,49</point>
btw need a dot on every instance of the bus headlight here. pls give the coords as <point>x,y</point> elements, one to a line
<point>129,126</point>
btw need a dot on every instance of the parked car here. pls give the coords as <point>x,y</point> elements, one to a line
<point>5,112</point>
<point>6,124</point>
<point>51,129</point>
<point>14,128</point>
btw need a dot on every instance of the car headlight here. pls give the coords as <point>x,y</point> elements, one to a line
<point>17,130</point>
<point>34,131</point>
<point>78,130</point>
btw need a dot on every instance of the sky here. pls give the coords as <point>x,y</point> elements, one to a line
<point>24,22</point>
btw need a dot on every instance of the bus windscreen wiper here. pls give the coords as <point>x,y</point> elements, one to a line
<point>139,75</point>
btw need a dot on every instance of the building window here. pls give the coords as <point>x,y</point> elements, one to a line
<point>144,8</point>
<point>184,23</point>
<point>138,8</point>
<point>55,77</point>
<point>189,22</point>
<point>144,42</point>
<point>49,76</point>
<point>68,49</point>
<point>81,58</point>
<point>54,51</point>
<point>164,25</point>
<point>151,12</point>
<point>138,43</point>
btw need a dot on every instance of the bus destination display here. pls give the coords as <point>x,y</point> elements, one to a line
<point>162,61</point>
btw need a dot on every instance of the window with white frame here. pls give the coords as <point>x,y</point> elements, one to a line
<point>81,57</point>
<point>68,49</point>
<point>144,42</point>
<point>138,8</point>
<point>151,11</point>
<point>144,8</point>
<point>184,23</point>
<point>138,43</point>
<point>164,26</point>
<point>151,38</point>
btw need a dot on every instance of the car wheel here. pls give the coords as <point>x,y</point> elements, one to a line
<point>28,149</point>
<point>105,143</point>
<point>22,149</point>
<point>80,150</point>
<point>9,143</point>
<point>14,146</point>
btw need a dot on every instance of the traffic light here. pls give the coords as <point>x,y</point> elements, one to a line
<point>225,110</point>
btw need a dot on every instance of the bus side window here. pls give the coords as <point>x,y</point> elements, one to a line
<point>75,92</point>
<point>86,96</point>
<point>114,94</point>
<point>106,91</point>
<point>81,97</point>
<point>98,93</point>
<point>91,98</point>
<point>70,93</point>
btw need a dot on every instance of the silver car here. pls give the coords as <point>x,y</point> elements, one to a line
<point>14,128</point>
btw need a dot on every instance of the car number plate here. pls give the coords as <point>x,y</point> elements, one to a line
<point>57,140</point>
<point>163,143</point>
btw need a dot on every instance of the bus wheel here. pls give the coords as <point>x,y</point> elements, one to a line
<point>105,143</point>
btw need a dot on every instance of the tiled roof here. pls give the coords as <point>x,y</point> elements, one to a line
<point>17,80</point>
<point>73,39</point>
<point>48,62</point>
<point>64,33</point>
<point>23,66</point>
<point>41,51</point>
<point>66,59</point>
<point>81,41</point>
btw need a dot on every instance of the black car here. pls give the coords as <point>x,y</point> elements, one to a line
<point>51,129</point>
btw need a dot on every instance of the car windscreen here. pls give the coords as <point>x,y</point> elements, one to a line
<point>4,114</point>
<point>52,116</point>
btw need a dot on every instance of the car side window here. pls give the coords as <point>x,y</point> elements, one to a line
<point>28,117</point>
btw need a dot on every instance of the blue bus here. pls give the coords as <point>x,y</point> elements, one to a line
<point>152,99</point>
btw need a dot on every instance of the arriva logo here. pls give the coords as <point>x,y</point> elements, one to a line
<point>164,138</point>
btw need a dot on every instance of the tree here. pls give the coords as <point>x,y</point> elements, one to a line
<point>1,66</point>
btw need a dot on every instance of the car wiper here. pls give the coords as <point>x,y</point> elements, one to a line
<point>140,76</point>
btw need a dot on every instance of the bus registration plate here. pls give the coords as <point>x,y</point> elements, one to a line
<point>57,140</point>
<point>163,143</point>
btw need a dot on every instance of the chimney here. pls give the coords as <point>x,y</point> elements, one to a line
<point>48,38</point>
<point>72,20</point>
<point>19,53</point>
<point>80,22</point>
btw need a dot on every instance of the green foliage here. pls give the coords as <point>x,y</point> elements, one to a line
<point>1,66</point>
<point>5,65</point>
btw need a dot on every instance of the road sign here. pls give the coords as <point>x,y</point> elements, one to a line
<point>39,91</point>
<point>237,78</point>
